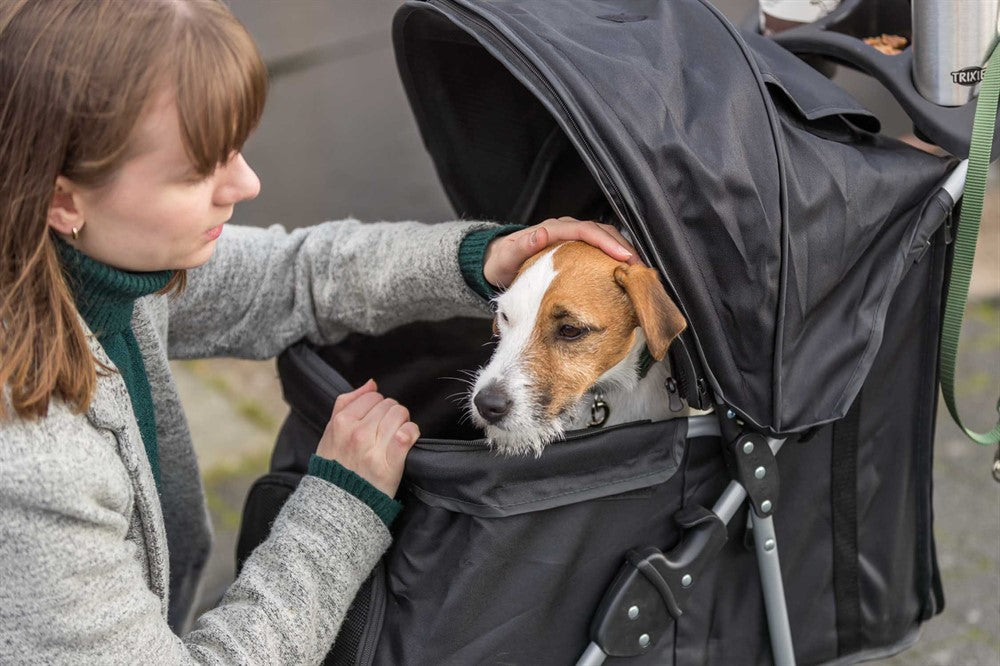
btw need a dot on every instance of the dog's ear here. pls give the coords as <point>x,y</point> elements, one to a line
<point>658,316</point>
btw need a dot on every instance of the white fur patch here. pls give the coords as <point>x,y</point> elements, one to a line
<point>517,316</point>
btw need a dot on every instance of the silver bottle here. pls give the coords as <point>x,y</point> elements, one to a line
<point>951,41</point>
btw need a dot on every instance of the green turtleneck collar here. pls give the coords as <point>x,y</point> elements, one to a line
<point>105,296</point>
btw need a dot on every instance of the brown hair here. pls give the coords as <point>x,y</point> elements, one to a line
<point>75,76</point>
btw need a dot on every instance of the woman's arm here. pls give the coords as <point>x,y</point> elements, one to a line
<point>72,589</point>
<point>267,288</point>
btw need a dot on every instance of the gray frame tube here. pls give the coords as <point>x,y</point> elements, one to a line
<point>766,546</point>
<point>592,656</point>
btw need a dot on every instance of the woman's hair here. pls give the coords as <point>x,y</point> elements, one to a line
<point>75,75</point>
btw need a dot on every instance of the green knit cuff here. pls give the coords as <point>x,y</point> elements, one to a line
<point>472,254</point>
<point>384,506</point>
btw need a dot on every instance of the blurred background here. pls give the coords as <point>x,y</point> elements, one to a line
<point>337,139</point>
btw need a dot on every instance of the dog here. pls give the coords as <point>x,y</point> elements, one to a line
<point>580,342</point>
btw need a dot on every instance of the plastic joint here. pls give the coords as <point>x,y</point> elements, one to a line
<point>651,588</point>
<point>751,462</point>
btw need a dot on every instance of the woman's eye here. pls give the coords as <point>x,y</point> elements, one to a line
<point>568,332</point>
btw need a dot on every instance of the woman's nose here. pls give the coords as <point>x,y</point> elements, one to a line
<point>239,182</point>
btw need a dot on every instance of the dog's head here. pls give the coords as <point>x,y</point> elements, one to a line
<point>571,320</point>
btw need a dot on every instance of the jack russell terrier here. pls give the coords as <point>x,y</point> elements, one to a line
<point>581,337</point>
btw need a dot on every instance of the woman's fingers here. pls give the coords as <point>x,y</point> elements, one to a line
<point>390,423</point>
<point>402,441</point>
<point>356,410</point>
<point>370,435</point>
<point>505,255</point>
<point>603,236</point>
<point>366,434</point>
<point>344,399</point>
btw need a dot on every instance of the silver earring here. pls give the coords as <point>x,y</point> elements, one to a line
<point>76,234</point>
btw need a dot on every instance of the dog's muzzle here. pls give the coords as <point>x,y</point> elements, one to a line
<point>492,402</point>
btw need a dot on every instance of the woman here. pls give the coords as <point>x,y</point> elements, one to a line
<point>120,130</point>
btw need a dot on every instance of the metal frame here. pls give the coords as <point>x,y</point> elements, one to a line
<point>766,547</point>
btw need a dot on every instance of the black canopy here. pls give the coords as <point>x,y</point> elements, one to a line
<point>781,221</point>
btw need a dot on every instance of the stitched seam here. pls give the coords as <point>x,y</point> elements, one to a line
<point>575,491</point>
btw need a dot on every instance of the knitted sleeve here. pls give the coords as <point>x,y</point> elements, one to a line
<point>266,288</point>
<point>472,256</point>
<point>384,506</point>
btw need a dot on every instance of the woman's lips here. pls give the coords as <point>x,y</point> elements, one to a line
<point>214,232</point>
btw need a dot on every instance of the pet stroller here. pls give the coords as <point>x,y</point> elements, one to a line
<point>808,254</point>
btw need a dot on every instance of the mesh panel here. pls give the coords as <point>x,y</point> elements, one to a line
<point>352,633</point>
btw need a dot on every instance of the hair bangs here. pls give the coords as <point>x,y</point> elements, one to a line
<point>221,84</point>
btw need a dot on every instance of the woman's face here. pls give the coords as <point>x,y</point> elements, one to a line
<point>156,212</point>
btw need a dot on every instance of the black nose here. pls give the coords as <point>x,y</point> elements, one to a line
<point>492,402</point>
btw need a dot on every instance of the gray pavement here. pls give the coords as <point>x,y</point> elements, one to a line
<point>337,139</point>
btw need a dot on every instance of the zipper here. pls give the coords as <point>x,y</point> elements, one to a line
<point>376,617</point>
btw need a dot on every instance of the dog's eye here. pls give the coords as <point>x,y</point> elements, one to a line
<point>568,332</point>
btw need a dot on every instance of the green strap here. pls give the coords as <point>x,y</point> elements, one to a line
<point>965,241</point>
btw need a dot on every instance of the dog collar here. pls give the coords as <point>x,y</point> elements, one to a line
<point>646,361</point>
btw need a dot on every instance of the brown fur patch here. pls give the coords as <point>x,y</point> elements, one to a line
<point>584,294</point>
<point>659,317</point>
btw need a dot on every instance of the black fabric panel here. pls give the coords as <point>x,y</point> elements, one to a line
<point>929,577</point>
<point>843,497</point>
<point>589,464</point>
<point>464,589</point>
<point>894,461</point>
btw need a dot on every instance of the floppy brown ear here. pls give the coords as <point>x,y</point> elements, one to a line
<point>658,316</point>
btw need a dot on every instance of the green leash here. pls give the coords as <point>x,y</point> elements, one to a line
<point>965,246</point>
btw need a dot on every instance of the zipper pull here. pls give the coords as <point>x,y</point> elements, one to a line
<point>676,404</point>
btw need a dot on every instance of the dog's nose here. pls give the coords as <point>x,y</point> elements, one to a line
<point>492,402</point>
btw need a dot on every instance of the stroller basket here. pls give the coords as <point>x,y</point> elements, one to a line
<point>808,255</point>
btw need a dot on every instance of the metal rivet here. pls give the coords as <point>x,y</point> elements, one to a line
<point>644,640</point>
<point>759,472</point>
<point>686,580</point>
<point>769,545</point>
<point>730,414</point>
<point>765,506</point>
<point>633,612</point>
<point>748,448</point>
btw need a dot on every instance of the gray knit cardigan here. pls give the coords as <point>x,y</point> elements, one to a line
<point>95,567</point>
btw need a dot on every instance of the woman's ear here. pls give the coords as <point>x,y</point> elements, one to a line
<point>658,316</point>
<point>64,210</point>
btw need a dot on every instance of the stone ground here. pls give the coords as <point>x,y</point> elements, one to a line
<point>337,139</point>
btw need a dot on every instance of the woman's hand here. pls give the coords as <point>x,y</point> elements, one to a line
<point>370,435</point>
<point>505,255</point>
